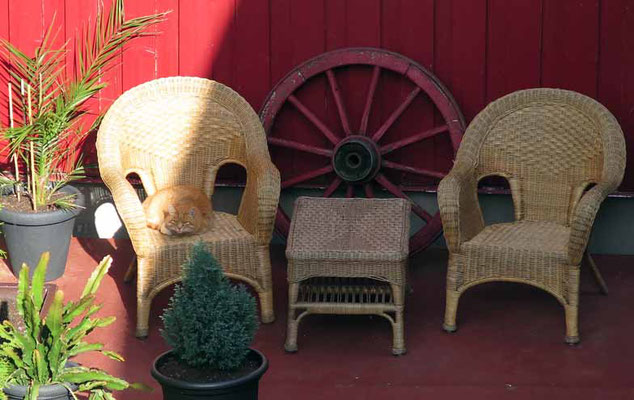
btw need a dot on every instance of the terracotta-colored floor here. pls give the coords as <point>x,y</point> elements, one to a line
<point>509,345</point>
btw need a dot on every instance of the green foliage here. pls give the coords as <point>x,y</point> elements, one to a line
<point>38,355</point>
<point>48,104</point>
<point>209,322</point>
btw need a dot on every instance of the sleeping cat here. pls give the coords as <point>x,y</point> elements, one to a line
<point>178,210</point>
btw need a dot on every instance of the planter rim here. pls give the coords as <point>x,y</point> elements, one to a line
<point>46,217</point>
<point>55,389</point>
<point>180,384</point>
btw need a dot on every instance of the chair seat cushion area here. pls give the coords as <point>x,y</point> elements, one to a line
<point>524,251</point>
<point>228,241</point>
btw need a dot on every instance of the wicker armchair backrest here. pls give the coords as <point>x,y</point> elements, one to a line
<point>550,144</point>
<point>180,130</point>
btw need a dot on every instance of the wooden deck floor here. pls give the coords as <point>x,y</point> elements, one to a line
<point>509,343</point>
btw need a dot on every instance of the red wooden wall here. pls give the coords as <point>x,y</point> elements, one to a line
<point>481,49</point>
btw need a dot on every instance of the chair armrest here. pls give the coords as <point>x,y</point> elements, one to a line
<point>459,208</point>
<point>129,208</point>
<point>582,220</point>
<point>260,199</point>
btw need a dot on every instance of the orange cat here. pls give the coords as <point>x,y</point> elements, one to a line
<point>178,210</point>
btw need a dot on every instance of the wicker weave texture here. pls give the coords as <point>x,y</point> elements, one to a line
<point>562,153</point>
<point>180,130</point>
<point>348,256</point>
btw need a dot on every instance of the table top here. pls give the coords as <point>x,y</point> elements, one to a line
<point>336,227</point>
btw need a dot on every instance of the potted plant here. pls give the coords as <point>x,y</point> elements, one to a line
<point>34,362</point>
<point>210,325</point>
<point>47,106</point>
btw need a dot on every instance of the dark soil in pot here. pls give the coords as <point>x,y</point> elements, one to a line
<point>29,234</point>
<point>181,382</point>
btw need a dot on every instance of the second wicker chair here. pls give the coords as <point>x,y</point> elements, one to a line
<point>562,154</point>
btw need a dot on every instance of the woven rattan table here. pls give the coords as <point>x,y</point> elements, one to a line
<point>348,256</point>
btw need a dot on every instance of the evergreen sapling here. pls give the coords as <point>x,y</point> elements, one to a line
<point>209,322</point>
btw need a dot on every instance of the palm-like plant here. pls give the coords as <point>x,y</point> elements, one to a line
<point>47,107</point>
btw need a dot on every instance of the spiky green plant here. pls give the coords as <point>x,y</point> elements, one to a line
<point>48,104</point>
<point>38,356</point>
<point>209,323</point>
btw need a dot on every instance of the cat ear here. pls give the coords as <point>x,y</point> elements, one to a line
<point>192,212</point>
<point>171,209</point>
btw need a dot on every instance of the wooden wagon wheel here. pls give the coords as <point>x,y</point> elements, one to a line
<point>353,154</point>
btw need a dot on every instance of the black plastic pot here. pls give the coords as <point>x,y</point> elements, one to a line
<point>28,235</point>
<point>48,392</point>
<point>243,388</point>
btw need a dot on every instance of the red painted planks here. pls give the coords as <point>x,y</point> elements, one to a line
<point>513,46</point>
<point>570,53</point>
<point>252,51</point>
<point>363,23</point>
<point>460,51</point>
<point>139,57</point>
<point>26,36</point>
<point>203,37</point>
<point>616,77</point>
<point>166,42</point>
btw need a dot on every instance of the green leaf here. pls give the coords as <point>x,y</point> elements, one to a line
<point>37,282</point>
<point>74,310</point>
<point>84,347</point>
<point>83,376</point>
<point>141,386</point>
<point>113,355</point>
<point>23,289</point>
<point>33,391</point>
<point>95,278</point>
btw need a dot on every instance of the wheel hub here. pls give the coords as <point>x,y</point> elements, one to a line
<point>356,159</point>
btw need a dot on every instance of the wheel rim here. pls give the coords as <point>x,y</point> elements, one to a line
<point>357,155</point>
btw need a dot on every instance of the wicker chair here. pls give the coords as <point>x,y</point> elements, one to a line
<point>180,130</point>
<point>562,154</point>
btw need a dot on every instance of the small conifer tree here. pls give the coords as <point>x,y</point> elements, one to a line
<point>209,322</point>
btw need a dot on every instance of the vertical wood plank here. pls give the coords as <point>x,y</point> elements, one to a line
<point>460,51</point>
<point>363,23</point>
<point>252,51</point>
<point>203,26</point>
<point>26,31</point>
<point>571,45</point>
<point>513,46</point>
<point>166,43</point>
<point>139,57</point>
<point>4,110</point>
<point>616,64</point>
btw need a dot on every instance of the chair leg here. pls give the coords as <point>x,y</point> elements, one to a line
<point>398,327</point>
<point>142,316</point>
<point>143,300</point>
<point>451,308</point>
<point>596,273</point>
<point>293,323</point>
<point>266,306</point>
<point>572,323</point>
<point>266,280</point>
<point>131,271</point>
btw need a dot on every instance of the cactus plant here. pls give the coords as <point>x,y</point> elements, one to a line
<point>39,355</point>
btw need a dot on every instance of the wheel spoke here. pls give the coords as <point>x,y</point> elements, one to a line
<point>392,188</point>
<point>334,87</point>
<point>314,119</point>
<point>332,187</point>
<point>413,170</point>
<point>350,191</point>
<point>290,144</point>
<point>397,113</point>
<point>306,176</point>
<point>365,118</point>
<point>413,139</point>
<point>369,192</point>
